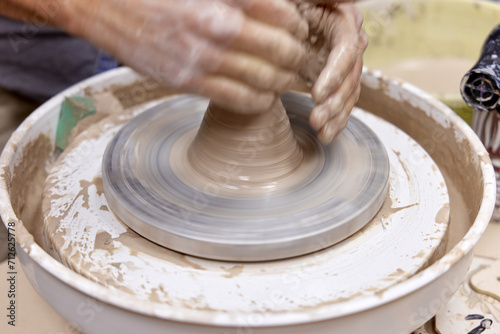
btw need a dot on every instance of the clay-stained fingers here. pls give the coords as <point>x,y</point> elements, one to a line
<point>348,41</point>
<point>243,67</point>
<point>229,93</point>
<point>277,13</point>
<point>274,45</point>
<point>178,42</point>
<point>254,72</point>
<point>335,125</point>
<point>334,104</point>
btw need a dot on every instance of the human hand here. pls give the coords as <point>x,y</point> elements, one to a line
<point>236,52</point>
<point>334,62</point>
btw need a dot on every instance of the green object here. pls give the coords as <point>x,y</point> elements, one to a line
<point>73,110</point>
<point>459,106</point>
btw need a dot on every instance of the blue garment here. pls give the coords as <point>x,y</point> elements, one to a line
<point>38,62</point>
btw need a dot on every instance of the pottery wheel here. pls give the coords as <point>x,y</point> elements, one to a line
<point>148,182</point>
<point>406,234</point>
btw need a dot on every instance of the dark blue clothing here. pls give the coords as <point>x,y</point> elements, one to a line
<point>38,62</point>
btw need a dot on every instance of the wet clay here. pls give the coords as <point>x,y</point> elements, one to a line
<point>439,75</point>
<point>261,145</point>
<point>245,153</point>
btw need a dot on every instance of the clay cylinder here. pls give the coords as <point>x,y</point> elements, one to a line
<point>261,146</point>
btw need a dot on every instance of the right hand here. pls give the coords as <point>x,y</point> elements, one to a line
<point>235,52</point>
<point>334,63</point>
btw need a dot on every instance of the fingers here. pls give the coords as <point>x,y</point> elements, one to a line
<point>267,51</point>
<point>338,86</point>
<point>255,72</point>
<point>229,93</point>
<point>275,45</point>
<point>336,124</point>
<point>277,13</point>
<point>227,25</point>
<point>271,30</point>
<point>324,112</point>
<point>348,42</point>
<point>339,65</point>
<point>237,52</point>
<point>331,117</point>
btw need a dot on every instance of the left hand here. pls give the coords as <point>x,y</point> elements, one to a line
<point>335,62</point>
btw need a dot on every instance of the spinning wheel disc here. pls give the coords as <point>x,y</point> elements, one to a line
<point>406,234</point>
<point>342,192</point>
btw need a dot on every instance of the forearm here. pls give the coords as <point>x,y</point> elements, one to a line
<point>41,12</point>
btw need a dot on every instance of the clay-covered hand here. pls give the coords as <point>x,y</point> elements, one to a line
<point>334,62</point>
<point>239,52</point>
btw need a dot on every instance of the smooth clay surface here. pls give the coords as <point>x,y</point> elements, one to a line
<point>262,148</point>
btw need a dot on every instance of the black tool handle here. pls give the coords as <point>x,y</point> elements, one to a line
<point>480,86</point>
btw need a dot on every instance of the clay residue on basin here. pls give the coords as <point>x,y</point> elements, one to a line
<point>26,183</point>
<point>128,260</point>
<point>140,92</point>
<point>439,142</point>
<point>455,156</point>
<point>469,184</point>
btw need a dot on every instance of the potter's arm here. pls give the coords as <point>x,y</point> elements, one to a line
<point>232,51</point>
<point>25,10</point>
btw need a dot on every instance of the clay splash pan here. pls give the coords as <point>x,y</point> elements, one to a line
<point>409,302</point>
